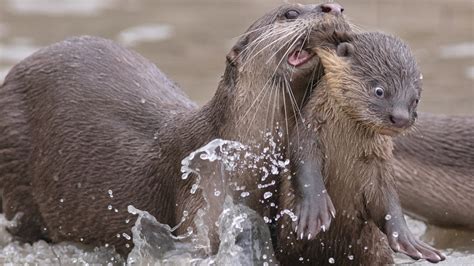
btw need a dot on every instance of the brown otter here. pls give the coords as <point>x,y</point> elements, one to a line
<point>89,128</point>
<point>363,99</point>
<point>434,167</point>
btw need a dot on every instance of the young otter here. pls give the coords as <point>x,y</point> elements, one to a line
<point>363,100</point>
<point>88,128</point>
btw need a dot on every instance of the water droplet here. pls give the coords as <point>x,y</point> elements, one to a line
<point>143,100</point>
<point>332,261</point>
<point>61,200</point>
<point>109,207</point>
<point>110,193</point>
<point>301,259</point>
<point>350,257</point>
<point>244,194</point>
<point>388,217</point>
<point>126,236</point>
<point>194,188</point>
<point>395,234</point>
<point>267,195</point>
<point>127,221</point>
<point>217,193</point>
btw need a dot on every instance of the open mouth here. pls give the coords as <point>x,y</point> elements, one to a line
<point>299,57</point>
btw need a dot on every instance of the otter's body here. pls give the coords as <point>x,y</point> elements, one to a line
<point>359,104</point>
<point>92,128</point>
<point>349,235</point>
<point>435,170</point>
<point>76,138</point>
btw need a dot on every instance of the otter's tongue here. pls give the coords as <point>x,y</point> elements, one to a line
<point>299,57</point>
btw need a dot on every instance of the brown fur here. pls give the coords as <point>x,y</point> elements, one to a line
<point>434,167</point>
<point>346,122</point>
<point>85,116</point>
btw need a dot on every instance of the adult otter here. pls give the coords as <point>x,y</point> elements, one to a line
<point>434,166</point>
<point>89,128</point>
<point>363,100</point>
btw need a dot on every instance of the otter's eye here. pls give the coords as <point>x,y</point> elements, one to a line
<point>417,101</point>
<point>292,14</point>
<point>379,92</point>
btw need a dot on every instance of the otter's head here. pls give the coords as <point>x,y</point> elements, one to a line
<point>375,78</point>
<point>272,66</point>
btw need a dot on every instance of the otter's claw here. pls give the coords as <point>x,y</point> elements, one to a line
<point>406,243</point>
<point>314,214</point>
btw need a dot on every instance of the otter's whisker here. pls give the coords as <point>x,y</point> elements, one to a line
<point>308,31</point>
<point>268,109</point>
<point>254,30</point>
<point>285,54</point>
<point>294,105</point>
<point>265,36</point>
<point>270,44</point>
<point>253,103</point>
<point>286,116</point>
<point>289,40</point>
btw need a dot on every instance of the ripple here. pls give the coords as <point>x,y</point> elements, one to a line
<point>59,7</point>
<point>145,33</point>
<point>459,50</point>
<point>15,52</point>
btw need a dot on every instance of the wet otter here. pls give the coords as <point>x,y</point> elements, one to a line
<point>434,170</point>
<point>365,97</point>
<point>90,128</point>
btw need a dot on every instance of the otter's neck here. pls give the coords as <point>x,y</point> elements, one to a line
<point>202,125</point>
<point>345,137</point>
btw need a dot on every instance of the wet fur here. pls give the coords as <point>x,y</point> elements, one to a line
<point>341,128</point>
<point>435,170</point>
<point>85,116</point>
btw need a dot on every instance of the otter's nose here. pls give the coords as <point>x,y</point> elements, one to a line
<point>332,8</point>
<point>400,118</point>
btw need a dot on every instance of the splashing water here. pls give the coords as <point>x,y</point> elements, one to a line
<point>244,235</point>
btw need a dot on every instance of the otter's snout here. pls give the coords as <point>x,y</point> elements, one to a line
<point>400,118</point>
<point>332,8</point>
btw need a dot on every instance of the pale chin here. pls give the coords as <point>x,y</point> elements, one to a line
<point>390,132</point>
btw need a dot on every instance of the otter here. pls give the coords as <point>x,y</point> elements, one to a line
<point>368,94</point>
<point>89,128</point>
<point>434,170</point>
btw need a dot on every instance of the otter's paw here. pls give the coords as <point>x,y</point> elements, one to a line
<point>406,243</point>
<point>314,214</point>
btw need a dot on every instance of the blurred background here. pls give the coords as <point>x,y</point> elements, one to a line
<point>188,39</point>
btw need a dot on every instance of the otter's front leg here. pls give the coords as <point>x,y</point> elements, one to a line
<point>387,213</point>
<point>314,208</point>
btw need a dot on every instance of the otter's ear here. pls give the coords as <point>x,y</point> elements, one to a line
<point>234,56</point>
<point>345,49</point>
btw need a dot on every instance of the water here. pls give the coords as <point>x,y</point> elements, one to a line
<point>179,35</point>
<point>155,244</point>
